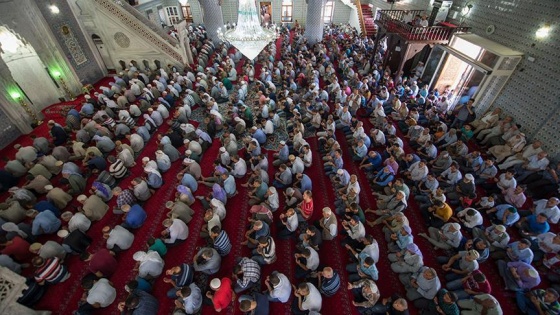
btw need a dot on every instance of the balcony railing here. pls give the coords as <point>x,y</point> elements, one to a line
<point>136,21</point>
<point>392,22</point>
<point>157,29</point>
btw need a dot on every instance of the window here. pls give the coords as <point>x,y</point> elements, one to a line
<point>173,16</point>
<point>287,7</point>
<point>328,11</point>
<point>187,13</point>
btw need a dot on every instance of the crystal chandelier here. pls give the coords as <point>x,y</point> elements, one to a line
<point>248,35</point>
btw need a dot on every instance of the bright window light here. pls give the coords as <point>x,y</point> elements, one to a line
<point>9,42</point>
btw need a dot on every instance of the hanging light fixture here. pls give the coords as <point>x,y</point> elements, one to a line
<point>248,35</point>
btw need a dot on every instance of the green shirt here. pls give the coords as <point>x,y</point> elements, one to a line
<point>447,308</point>
<point>159,247</point>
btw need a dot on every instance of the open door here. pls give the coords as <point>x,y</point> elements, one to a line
<point>266,12</point>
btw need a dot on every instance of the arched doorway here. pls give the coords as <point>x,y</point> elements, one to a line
<point>103,52</point>
<point>28,71</point>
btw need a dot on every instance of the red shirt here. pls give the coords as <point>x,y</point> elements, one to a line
<point>307,209</point>
<point>481,287</point>
<point>103,262</point>
<point>19,249</point>
<point>222,297</point>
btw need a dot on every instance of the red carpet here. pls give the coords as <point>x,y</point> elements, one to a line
<point>63,298</point>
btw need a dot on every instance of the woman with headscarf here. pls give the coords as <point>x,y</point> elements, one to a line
<point>103,191</point>
<point>383,178</point>
<point>153,176</point>
<point>149,264</point>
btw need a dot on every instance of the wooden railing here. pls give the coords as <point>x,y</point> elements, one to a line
<point>392,22</point>
<point>361,16</point>
<point>399,14</point>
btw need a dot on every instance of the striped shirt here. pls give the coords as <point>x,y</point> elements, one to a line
<point>184,277</point>
<point>269,251</point>
<point>128,121</point>
<point>52,271</point>
<point>329,286</point>
<point>118,169</point>
<point>222,243</point>
<point>106,178</point>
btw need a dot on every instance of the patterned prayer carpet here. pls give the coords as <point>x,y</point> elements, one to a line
<point>63,298</point>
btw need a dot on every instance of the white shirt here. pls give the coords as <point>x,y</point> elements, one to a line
<point>313,301</point>
<point>292,223</point>
<point>298,166</point>
<point>79,222</point>
<point>535,163</point>
<point>373,251</point>
<point>102,292</point>
<point>313,261</point>
<point>120,237</point>
<point>473,221</point>
<point>239,168</point>
<point>553,213</point>
<point>177,231</point>
<point>283,290</point>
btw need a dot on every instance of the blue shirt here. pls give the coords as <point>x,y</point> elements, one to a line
<point>375,161</point>
<point>524,255</point>
<point>45,223</point>
<point>330,286</point>
<point>260,136</point>
<point>510,219</point>
<point>306,183</point>
<point>229,185</point>
<point>144,133</point>
<point>87,109</point>
<point>154,180</point>
<point>185,277</point>
<point>222,244</point>
<point>189,181</point>
<point>135,217</point>
<point>361,151</point>
<point>97,162</point>
<point>45,205</point>
<point>371,271</point>
<point>536,227</point>
<point>264,231</point>
<point>284,153</point>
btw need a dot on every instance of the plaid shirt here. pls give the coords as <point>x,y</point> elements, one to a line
<point>125,198</point>
<point>372,297</point>
<point>251,272</point>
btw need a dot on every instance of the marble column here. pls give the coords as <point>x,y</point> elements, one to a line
<point>11,108</point>
<point>314,22</point>
<point>213,18</point>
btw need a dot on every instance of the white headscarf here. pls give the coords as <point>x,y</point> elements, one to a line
<point>147,256</point>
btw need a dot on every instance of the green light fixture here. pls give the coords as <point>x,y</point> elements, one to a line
<point>15,95</point>
<point>56,74</point>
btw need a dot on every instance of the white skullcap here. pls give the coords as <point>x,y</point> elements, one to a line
<point>215,283</point>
